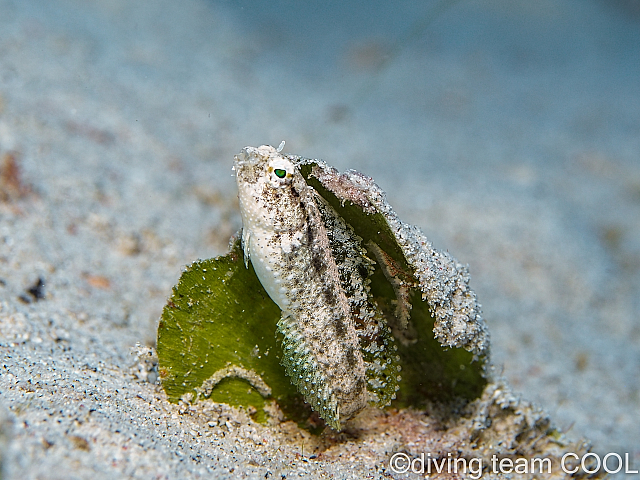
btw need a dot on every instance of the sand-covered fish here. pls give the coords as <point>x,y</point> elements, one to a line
<point>337,348</point>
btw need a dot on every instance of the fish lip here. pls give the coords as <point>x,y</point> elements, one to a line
<point>247,156</point>
<point>251,156</point>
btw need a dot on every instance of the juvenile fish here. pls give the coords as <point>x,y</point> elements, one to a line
<point>285,238</point>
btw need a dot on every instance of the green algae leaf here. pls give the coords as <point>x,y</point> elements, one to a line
<point>217,333</point>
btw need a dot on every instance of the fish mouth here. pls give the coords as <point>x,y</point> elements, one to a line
<point>246,157</point>
<point>251,162</point>
<point>251,156</point>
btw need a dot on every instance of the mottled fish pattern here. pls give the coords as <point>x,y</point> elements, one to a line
<point>337,348</point>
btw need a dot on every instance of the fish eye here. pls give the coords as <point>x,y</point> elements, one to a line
<point>280,172</point>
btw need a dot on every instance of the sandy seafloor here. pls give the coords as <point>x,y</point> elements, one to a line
<point>509,131</point>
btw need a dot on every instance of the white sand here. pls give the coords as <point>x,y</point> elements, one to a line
<point>509,133</point>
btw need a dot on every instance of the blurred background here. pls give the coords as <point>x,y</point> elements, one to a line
<point>508,131</point>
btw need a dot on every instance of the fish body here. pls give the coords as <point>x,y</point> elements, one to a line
<point>286,240</point>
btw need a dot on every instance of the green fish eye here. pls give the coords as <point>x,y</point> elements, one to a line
<point>280,173</point>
